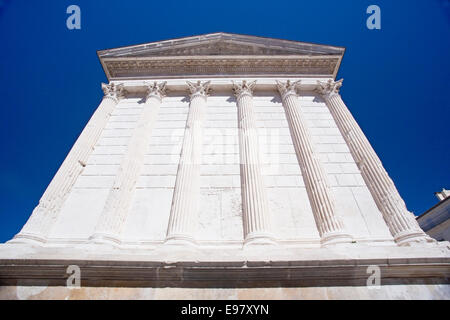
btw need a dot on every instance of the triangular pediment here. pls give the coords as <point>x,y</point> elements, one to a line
<point>151,59</point>
<point>216,48</point>
<point>222,44</point>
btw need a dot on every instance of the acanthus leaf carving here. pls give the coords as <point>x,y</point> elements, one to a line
<point>156,89</point>
<point>199,88</point>
<point>243,88</point>
<point>329,88</point>
<point>288,88</point>
<point>114,91</point>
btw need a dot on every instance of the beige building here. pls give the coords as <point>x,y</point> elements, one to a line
<point>223,166</point>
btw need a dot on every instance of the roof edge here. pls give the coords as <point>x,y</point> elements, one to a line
<point>218,35</point>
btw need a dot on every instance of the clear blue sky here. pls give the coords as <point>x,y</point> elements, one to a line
<point>396,79</point>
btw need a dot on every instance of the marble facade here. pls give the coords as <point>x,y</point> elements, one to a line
<point>223,157</point>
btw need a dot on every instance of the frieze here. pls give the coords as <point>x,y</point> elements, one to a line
<point>226,66</point>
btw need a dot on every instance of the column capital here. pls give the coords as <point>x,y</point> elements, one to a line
<point>199,88</point>
<point>245,88</point>
<point>156,89</point>
<point>113,91</point>
<point>288,88</point>
<point>329,88</point>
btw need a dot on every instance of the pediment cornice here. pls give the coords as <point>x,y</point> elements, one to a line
<point>221,54</point>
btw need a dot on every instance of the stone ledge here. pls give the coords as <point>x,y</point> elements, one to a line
<point>220,274</point>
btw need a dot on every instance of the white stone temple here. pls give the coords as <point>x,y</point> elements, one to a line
<point>223,166</point>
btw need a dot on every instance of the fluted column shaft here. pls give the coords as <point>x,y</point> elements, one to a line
<point>46,212</point>
<point>117,205</point>
<point>400,221</point>
<point>185,202</point>
<point>330,226</point>
<point>254,198</point>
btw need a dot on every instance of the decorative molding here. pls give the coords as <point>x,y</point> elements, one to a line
<point>220,66</point>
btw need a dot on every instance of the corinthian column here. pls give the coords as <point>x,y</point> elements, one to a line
<point>400,221</point>
<point>185,202</point>
<point>254,197</point>
<point>118,202</point>
<point>330,226</point>
<point>46,213</point>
